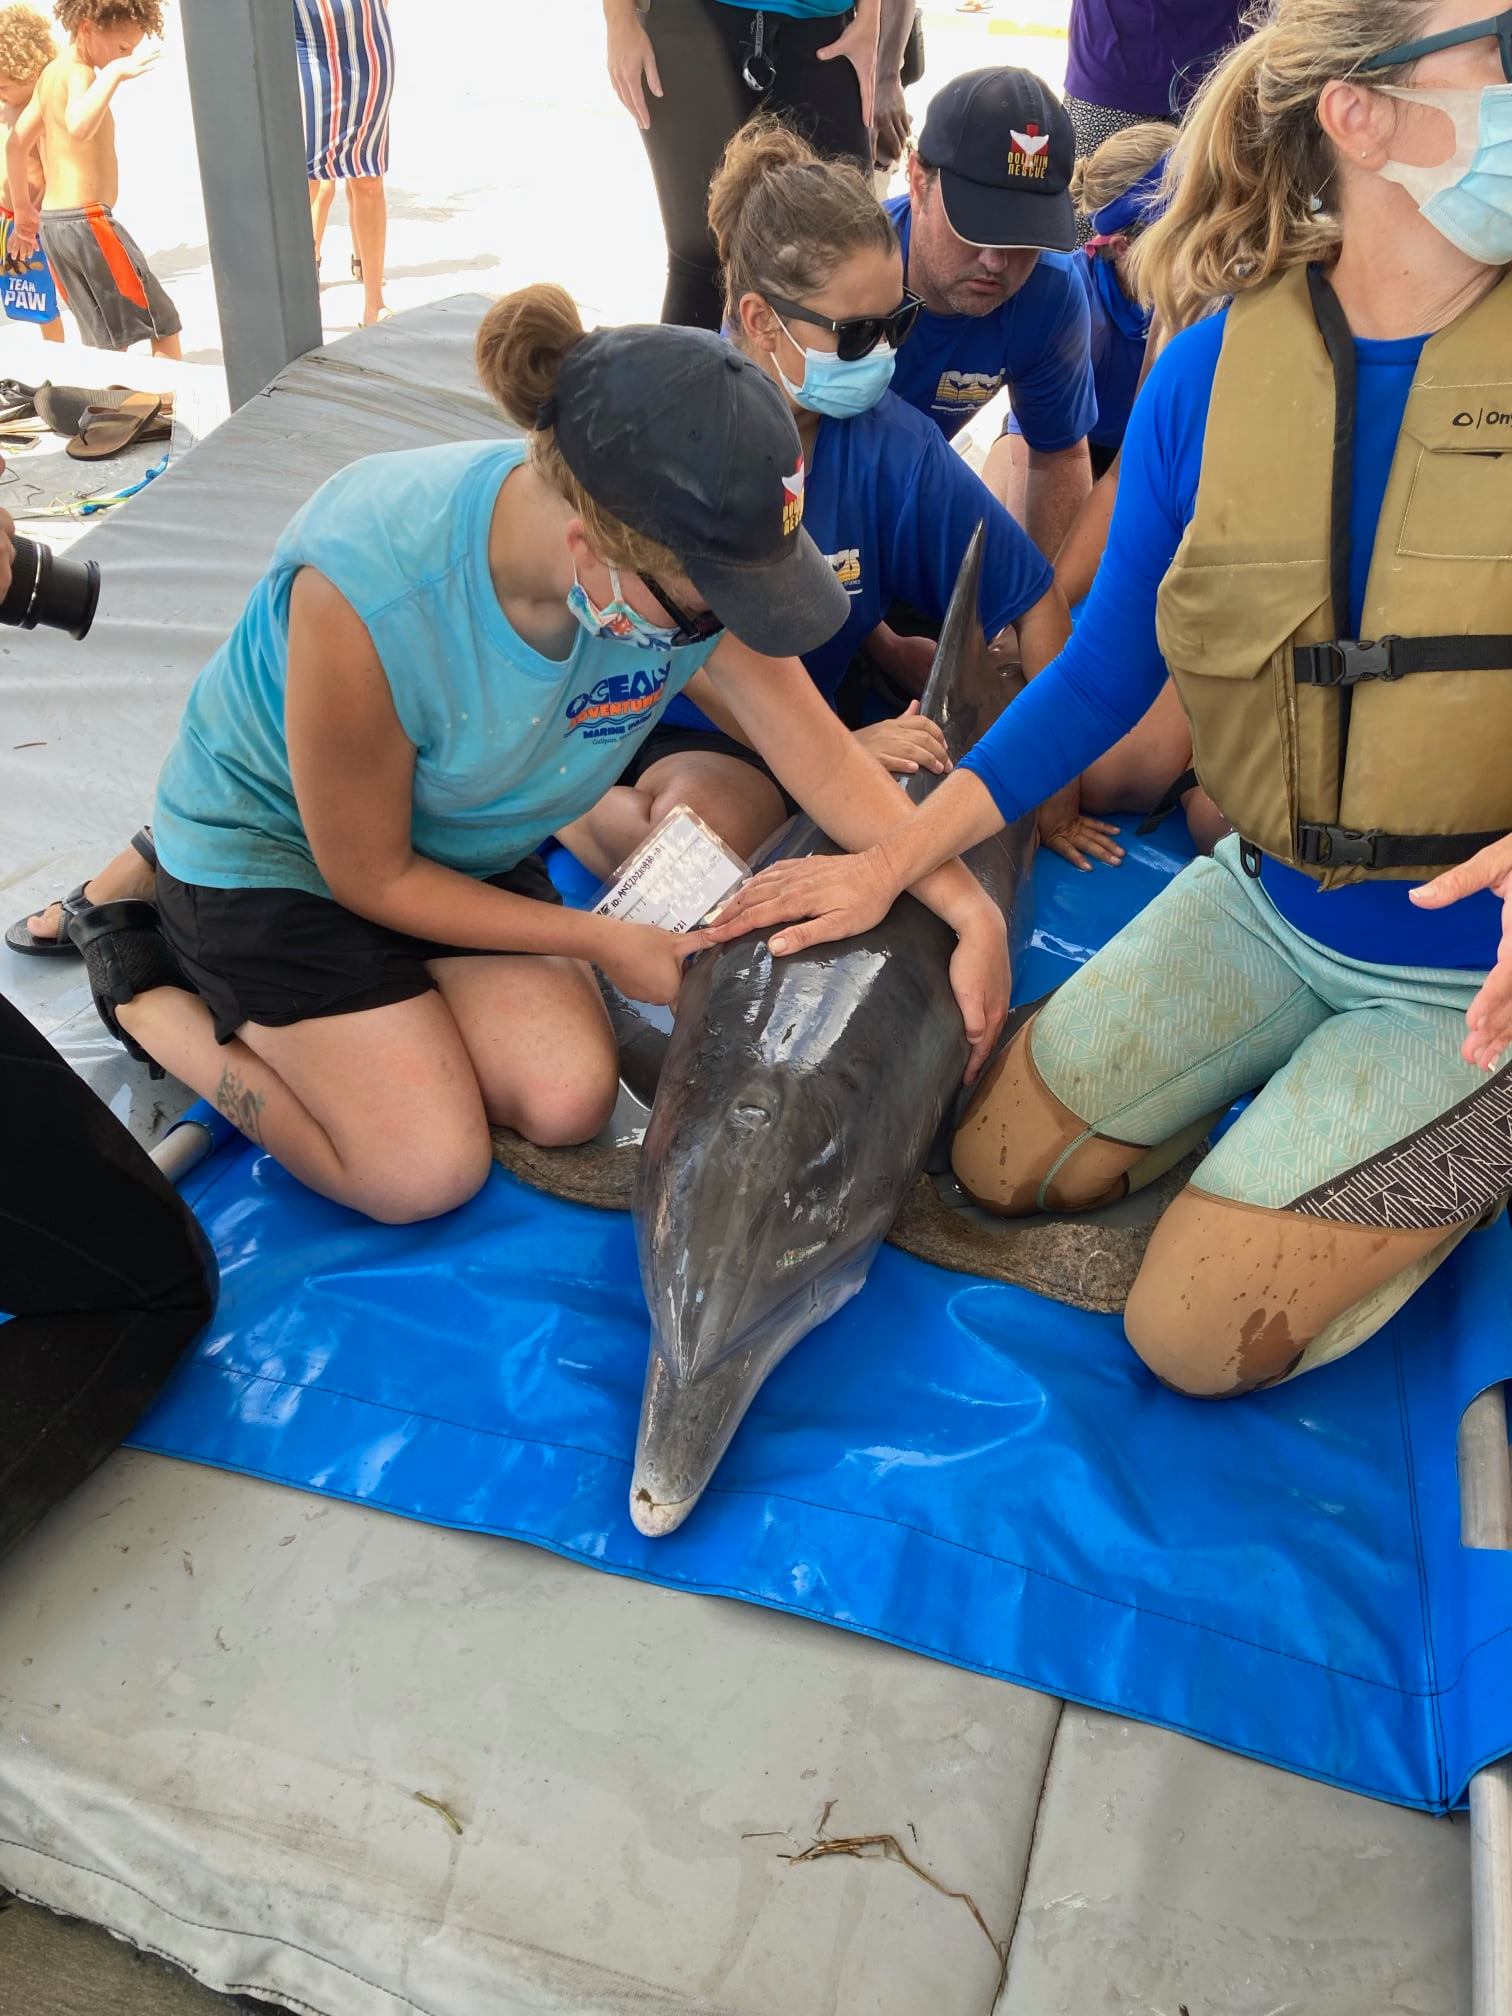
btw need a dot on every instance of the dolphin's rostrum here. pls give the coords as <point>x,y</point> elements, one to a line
<point>797,1104</point>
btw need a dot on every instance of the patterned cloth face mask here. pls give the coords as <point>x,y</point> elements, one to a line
<point>617,620</point>
<point>1468,197</point>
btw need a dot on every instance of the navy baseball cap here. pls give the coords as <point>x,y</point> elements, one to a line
<point>689,443</point>
<point>1004,147</point>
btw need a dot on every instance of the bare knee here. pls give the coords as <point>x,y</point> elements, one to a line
<point>743,816</point>
<point>568,1116</point>
<point>426,1186</point>
<point>565,1114</point>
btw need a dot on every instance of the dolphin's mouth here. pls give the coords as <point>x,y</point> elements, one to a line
<point>657,1517</point>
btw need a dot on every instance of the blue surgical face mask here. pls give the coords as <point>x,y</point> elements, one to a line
<point>617,620</point>
<point>1468,197</point>
<point>835,388</point>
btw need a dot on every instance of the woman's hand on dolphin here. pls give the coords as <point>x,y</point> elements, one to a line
<point>980,980</point>
<point>646,963</point>
<point>907,743</point>
<point>817,900</point>
<point>1488,1019</point>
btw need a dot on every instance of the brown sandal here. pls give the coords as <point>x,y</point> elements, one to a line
<point>104,433</point>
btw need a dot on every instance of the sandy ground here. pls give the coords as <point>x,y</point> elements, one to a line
<point>512,161</point>
<point>511,158</point>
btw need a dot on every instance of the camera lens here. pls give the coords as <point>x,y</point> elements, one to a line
<point>50,588</point>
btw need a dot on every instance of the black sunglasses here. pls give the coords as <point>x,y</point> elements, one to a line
<point>690,629</point>
<point>1499,25</point>
<point>859,334</point>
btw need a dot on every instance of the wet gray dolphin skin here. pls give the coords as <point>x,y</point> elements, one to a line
<point>798,1102</point>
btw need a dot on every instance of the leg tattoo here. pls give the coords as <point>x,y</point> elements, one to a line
<point>241,1105</point>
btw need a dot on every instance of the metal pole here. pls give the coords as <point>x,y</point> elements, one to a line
<point>181,1150</point>
<point>244,89</point>
<point>1486,1521</point>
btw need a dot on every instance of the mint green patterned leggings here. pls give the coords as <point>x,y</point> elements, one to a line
<point>1364,1109</point>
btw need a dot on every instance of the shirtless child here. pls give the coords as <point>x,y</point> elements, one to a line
<point>26,49</point>
<point>104,279</point>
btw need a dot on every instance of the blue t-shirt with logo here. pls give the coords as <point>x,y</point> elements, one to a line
<point>509,745</point>
<point>1038,344</point>
<point>1112,669</point>
<point>1119,329</point>
<point>893,507</point>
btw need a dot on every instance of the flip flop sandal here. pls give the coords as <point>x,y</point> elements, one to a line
<point>63,407</point>
<point>112,433</point>
<point>126,954</point>
<point>160,429</point>
<point>20,939</point>
<point>356,267</point>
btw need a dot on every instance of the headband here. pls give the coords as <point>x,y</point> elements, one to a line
<point>1141,203</point>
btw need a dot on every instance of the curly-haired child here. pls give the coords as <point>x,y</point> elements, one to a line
<point>27,290</point>
<point>103,276</point>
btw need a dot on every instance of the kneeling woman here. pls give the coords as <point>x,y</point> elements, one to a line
<point>1305,474</point>
<point>454,652</point>
<point>814,295</point>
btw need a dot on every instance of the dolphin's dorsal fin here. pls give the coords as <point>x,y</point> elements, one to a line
<point>966,691</point>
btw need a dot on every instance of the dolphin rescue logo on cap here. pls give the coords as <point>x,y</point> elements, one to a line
<point>1028,155</point>
<point>792,500</point>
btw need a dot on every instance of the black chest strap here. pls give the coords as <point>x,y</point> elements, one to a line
<point>1341,847</point>
<point>1345,661</point>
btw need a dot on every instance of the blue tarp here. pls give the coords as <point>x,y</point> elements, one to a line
<point>957,1466</point>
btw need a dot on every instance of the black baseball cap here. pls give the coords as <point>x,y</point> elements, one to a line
<point>1004,147</point>
<point>691,444</point>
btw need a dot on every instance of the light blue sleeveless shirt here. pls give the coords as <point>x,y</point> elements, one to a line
<point>509,745</point>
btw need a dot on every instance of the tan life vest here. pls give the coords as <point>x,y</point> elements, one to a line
<point>1388,757</point>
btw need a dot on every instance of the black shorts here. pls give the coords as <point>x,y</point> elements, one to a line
<point>280,956</point>
<point>667,739</point>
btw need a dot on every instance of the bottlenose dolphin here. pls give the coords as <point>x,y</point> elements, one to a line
<point>798,1102</point>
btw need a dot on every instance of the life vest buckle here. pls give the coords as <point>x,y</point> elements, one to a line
<point>1337,846</point>
<point>1345,661</point>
